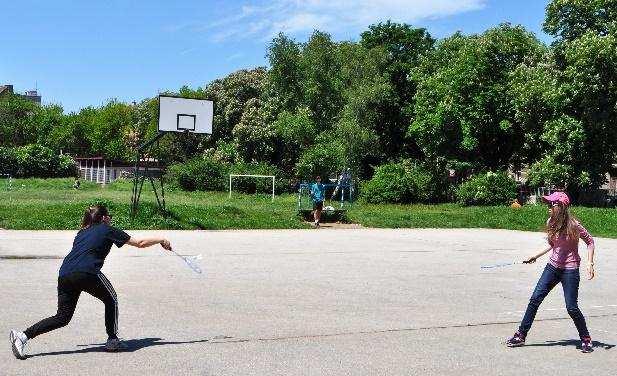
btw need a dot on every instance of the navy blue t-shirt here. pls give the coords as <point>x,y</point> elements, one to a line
<point>90,247</point>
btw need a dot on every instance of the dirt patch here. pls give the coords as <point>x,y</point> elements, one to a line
<point>336,225</point>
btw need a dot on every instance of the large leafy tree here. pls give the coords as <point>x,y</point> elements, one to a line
<point>578,136</point>
<point>231,95</point>
<point>571,19</point>
<point>463,108</point>
<point>403,47</point>
<point>23,122</point>
<point>284,89</point>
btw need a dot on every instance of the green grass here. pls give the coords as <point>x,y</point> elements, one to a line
<point>599,221</point>
<point>53,204</point>
<point>35,204</point>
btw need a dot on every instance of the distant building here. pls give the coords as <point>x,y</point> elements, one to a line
<point>31,95</point>
<point>6,90</point>
<point>103,171</point>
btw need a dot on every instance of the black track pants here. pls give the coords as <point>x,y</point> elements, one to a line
<point>69,289</point>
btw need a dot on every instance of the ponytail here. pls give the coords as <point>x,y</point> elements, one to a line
<point>93,215</point>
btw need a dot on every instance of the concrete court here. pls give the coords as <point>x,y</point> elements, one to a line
<point>310,302</point>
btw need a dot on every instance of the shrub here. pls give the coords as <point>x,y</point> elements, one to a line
<point>546,172</point>
<point>35,160</point>
<point>491,188</point>
<point>399,183</point>
<point>8,161</point>
<point>66,166</point>
<point>201,174</point>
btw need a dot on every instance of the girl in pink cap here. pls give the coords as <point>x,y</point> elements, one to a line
<point>564,232</point>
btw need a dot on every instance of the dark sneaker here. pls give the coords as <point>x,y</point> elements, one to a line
<point>517,340</point>
<point>114,344</point>
<point>586,345</point>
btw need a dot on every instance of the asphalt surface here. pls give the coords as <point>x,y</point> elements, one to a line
<point>310,302</point>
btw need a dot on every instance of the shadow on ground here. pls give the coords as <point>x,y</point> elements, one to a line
<point>572,342</point>
<point>132,345</point>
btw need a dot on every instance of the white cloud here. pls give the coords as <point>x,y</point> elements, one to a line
<point>263,19</point>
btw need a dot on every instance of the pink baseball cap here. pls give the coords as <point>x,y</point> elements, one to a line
<point>560,197</point>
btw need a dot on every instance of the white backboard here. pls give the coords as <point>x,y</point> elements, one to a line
<point>185,114</point>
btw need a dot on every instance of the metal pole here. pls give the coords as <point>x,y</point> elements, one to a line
<point>273,189</point>
<point>229,186</point>
<point>104,171</point>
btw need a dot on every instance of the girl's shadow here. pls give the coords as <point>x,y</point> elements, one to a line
<point>132,345</point>
<point>572,342</point>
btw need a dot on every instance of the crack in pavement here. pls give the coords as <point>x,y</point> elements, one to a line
<point>382,331</point>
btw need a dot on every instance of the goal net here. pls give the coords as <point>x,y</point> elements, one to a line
<point>6,182</point>
<point>251,177</point>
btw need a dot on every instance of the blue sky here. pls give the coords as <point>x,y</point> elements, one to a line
<point>84,53</point>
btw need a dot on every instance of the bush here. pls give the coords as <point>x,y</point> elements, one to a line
<point>66,166</point>
<point>35,160</point>
<point>491,188</point>
<point>201,174</point>
<point>546,172</point>
<point>399,183</point>
<point>8,161</point>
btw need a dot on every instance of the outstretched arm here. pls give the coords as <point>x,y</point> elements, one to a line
<point>533,258</point>
<point>148,242</point>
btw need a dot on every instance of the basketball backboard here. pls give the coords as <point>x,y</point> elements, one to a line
<point>178,114</point>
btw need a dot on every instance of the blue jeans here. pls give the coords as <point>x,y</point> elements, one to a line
<point>551,276</point>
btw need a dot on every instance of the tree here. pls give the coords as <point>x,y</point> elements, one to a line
<point>589,76</point>
<point>295,132</point>
<point>403,48</point>
<point>321,84</point>
<point>285,74</point>
<point>463,105</point>
<point>231,95</point>
<point>253,137</point>
<point>18,121</point>
<point>585,70</point>
<point>571,19</point>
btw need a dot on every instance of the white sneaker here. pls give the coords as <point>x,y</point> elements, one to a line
<point>18,344</point>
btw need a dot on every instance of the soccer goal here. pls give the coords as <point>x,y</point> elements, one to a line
<point>232,176</point>
<point>6,181</point>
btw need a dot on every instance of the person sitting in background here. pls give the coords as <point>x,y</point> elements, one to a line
<point>343,182</point>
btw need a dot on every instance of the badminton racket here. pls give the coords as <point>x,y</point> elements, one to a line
<point>190,261</point>
<point>503,264</point>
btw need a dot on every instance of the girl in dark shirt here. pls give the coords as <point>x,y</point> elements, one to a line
<point>81,271</point>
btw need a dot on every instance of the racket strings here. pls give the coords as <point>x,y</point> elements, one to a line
<point>190,261</point>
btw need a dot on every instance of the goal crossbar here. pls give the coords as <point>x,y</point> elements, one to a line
<point>231,176</point>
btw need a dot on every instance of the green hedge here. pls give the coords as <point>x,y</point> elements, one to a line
<point>210,174</point>
<point>399,183</point>
<point>35,161</point>
<point>491,188</point>
<point>199,174</point>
